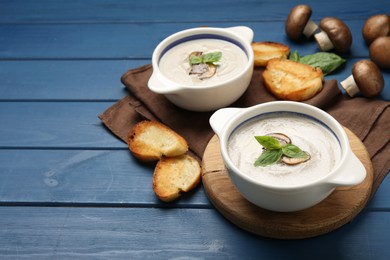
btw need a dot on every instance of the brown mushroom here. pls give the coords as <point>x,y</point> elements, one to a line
<point>211,69</point>
<point>296,160</point>
<point>376,26</point>
<point>202,70</point>
<point>335,34</point>
<point>282,138</point>
<point>380,52</point>
<point>298,22</point>
<point>366,78</point>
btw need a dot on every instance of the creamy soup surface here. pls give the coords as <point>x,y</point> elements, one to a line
<point>307,134</point>
<point>175,64</point>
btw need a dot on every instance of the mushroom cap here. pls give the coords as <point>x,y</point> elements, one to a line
<point>368,78</point>
<point>338,32</point>
<point>380,52</point>
<point>297,20</point>
<point>376,26</point>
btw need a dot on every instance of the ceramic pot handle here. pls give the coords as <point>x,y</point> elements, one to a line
<point>157,85</point>
<point>243,31</point>
<point>220,117</point>
<point>351,173</point>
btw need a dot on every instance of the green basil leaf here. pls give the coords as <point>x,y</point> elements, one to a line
<point>212,57</point>
<point>327,61</point>
<point>268,142</point>
<point>195,60</point>
<point>293,151</point>
<point>294,56</point>
<point>268,157</point>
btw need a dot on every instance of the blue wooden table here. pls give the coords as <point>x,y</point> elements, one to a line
<point>70,189</point>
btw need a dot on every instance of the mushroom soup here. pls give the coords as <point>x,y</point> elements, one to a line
<point>305,132</point>
<point>175,65</point>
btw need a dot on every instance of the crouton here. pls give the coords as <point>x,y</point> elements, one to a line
<point>265,51</point>
<point>151,140</point>
<point>291,80</point>
<point>175,175</point>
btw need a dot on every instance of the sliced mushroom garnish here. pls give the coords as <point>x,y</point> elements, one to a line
<point>210,72</point>
<point>282,138</point>
<point>199,69</point>
<point>203,70</point>
<point>195,53</point>
<point>296,160</point>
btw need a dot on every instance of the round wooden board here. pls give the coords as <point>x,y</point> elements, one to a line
<point>333,212</point>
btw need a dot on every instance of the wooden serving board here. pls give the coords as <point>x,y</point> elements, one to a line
<point>333,212</point>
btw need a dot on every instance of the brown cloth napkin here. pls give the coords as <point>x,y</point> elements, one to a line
<point>369,119</point>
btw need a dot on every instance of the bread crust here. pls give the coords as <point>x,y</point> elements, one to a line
<point>291,80</point>
<point>174,176</point>
<point>151,140</point>
<point>265,51</point>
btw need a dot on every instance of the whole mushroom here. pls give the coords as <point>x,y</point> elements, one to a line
<point>380,52</point>
<point>298,22</point>
<point>334,34</point>
<point>366,78</point>
<point>376,26</point>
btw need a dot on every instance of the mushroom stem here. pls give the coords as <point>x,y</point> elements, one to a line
<point>310,28</point>
<point>323,41</point>
<point>349,85</point>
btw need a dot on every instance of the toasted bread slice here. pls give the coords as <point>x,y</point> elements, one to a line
<point>265,51</point>
<point>291,80</point>
<point>150,140</point>
<point>175,175</point>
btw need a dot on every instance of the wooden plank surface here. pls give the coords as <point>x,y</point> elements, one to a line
<point>87,80</point>
<point>81,177</point>
<point>69,189</point>
<point>47,11</point>
<point>139,233</point>
<point>61,80</point>
<point>54,124</point>
<point>135,41</point>
<point>96,177</point>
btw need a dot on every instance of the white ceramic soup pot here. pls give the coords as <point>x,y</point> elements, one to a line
<point>215,92</point>
<point>276,193</point>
